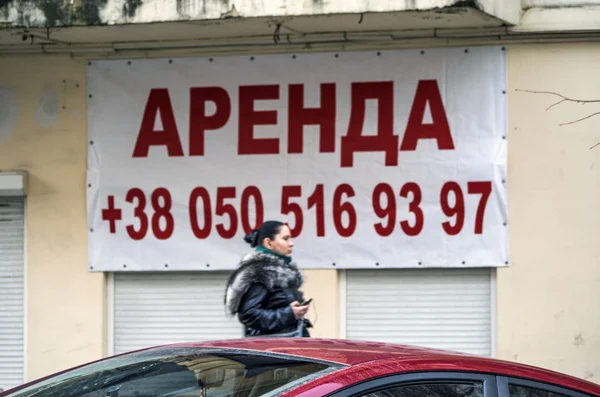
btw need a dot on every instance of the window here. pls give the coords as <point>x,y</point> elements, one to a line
<point>432,389</point>
<point>519,387</point>
<point>524,391</point>
<point>425,384</point>
<point>181,372</point>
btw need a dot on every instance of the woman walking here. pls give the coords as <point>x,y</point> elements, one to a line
<point>264,291</point>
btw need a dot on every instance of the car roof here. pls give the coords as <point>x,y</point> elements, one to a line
<point>388,358</point>
<point>363,360</point>
<point>341,351</point>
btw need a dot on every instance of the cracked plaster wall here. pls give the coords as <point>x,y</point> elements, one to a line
<point>38,13</point>
<point>526,4</point>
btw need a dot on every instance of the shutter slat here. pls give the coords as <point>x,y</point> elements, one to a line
<point>152,309</point>
<point>12,248</point>
<point>437,308</point>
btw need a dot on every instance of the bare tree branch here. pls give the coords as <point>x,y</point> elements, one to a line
<point>581,119</point>
<point>557,103</point>
<point>565,99</point>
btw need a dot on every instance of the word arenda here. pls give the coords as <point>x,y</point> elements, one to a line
<point>232,211</point>
<point>427,92</point>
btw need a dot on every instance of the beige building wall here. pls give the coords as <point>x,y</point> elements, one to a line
<point>66,305</point>
<point>323,287</point>
<point>548,298</point>
<point>64,302</point>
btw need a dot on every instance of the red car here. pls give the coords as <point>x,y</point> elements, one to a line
<point>302,367</point>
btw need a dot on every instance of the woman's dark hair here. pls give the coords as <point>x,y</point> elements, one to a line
<point>268,229</point>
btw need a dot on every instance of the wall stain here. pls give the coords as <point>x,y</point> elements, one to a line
<point>579,341</point>
<point>23,12</point>
<point>55,13</point>
<point>4,7</point>
<point>48,109</point>
<point>200,8</point>
<point>58,12</point>
<point>89,12</point>
<point>78,348</point>
<point>459,7</point>
<point>131,6</point>
<point>25,166</point>
<point>9,113</point>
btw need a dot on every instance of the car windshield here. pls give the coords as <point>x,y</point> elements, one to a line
<point>183,372</point>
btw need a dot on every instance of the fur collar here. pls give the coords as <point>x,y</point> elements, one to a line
<point>263,268</point>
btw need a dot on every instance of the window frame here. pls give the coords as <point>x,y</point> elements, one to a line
<point>489,381</point>
<point>504,381</point>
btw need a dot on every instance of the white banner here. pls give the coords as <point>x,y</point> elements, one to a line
<point>376,159</point>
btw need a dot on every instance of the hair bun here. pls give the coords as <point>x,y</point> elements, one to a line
<point>252,238</point>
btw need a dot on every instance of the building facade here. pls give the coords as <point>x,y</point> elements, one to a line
<point>538,309</point>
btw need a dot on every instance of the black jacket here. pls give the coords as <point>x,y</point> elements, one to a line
<point>260,292</point>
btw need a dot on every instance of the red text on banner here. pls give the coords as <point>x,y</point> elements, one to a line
<point>384,140</point>
<point>427,92</point>
<point>380,137</point>
<point>249,118</point>
<point>159,103</point>
<point>323,116</point>
<point>199,121</point>
<point>152,211</point>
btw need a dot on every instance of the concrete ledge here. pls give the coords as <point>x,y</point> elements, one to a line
<point>582,18</point>
<point>13,184</point>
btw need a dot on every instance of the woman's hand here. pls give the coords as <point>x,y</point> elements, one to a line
<point>299,311</point>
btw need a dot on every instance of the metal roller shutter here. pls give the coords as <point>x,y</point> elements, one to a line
<point>12,309</point>
<point>159,308</point>
<point>438,308</point>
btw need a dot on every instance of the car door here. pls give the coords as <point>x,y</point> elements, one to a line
<point>426,384</point>
<point>517,387</point>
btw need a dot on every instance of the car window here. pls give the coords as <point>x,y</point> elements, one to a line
<point>181,373</point>
<point>432,389</point>
<point>526,391</point>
